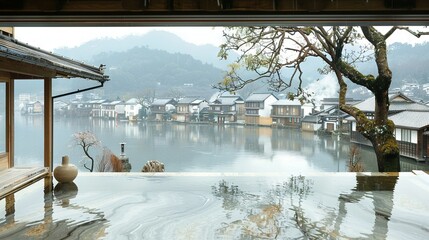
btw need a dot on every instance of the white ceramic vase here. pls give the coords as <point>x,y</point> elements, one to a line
<point>66,172</point>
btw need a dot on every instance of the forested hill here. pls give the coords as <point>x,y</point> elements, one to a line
<point>409,63</point>
<point>163,62</point>
<point>140,69</point>
<point>160,40</point>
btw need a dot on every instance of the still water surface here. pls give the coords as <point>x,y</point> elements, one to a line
<point>195,148</point>
<point>218,206</point>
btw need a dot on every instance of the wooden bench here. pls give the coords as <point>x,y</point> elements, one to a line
<point>16,178</point>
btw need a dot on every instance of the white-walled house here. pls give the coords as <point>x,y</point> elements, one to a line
<point>108,109</point>
<point>258,108</point>
<point>132,108</point>
<point>120,110</point>
<point>184,109</point>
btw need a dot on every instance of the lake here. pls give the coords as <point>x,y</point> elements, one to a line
<point>195,147</point>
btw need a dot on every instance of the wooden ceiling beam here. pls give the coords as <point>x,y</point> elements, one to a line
<point>212,12</point>
<point>218,6</point>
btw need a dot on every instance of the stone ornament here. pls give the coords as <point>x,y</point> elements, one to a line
<point>153,166</point>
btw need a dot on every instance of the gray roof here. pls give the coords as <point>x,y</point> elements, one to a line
<point>411,119</point>
<point>116,102</point>
<point>223,95</point>
<point>258,97</point>
<point>398,102</point>
<point>14,50</point>
<point>228,101</point>
<point>162,101</point>
<point>310,119</point>
<point>186,100</point>
<point>198,101</point>
<point>287,102</point>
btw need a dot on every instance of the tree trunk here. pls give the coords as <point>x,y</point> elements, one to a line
<point>388,161</point>
<point>383,139</point>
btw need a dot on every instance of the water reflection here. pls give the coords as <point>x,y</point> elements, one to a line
<point>45,222</point>
<point>193,147</point>
<point>221,206</point>
<point>292,210</point>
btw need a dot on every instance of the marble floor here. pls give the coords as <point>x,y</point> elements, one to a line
<point>222,206</point>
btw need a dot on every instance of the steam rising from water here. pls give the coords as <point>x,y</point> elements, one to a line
<point>324,88</point>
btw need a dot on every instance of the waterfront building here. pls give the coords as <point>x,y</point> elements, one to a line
<point>96,108</point>
<point>412,133</point>
<point>108,109</point>
<point>258,108</point>
<point>311,123</point>
<point>288,113</point>
<point>184,109</point>
<point>197,107</point>
<point>225,107</point>
<point>411,121</point>
<point>161,108</point>
<point>32,108</point>
<point>132,109</point>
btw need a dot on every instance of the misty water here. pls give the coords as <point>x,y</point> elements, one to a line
<point>194,147</point>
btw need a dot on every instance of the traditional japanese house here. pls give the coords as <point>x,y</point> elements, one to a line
<point>412,133</point>
<point>409,118</point>
<point>287,113</point>
<point>258,108</point>
<point>161,108</point>
<point>108,109</point>
<point>196,109</point>
<point>311,123</point>
<point>132,109</point>
<point>184,109</point>
<point>225,108</point>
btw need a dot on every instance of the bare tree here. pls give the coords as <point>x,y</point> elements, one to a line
<point>86,140</point>
<point>147,96</point>
<point>277,55</point>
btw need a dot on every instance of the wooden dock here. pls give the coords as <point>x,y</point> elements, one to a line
<point>16,178</point>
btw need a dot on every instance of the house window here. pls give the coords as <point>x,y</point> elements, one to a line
<point>252,111</point>
<point>405,135</point>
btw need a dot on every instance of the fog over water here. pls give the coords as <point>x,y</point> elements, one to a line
<point>194,147</point>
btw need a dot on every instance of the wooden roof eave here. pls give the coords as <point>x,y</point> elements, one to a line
<point>24,61</point>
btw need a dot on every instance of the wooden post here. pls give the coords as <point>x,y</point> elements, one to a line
<point>10,93</point>
<point>48,127</point>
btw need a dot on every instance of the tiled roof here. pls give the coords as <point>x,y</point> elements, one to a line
<point>197,101</point>
<point>258,97</point>
<point>14,50</point>
<point>398,102</point>
<point>186,100</point>
<point>162,101</point>
<point>228,101</point>
<point>411,119</point>
<point>310,119</point>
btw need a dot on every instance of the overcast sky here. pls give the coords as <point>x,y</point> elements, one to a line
<point>49,38</point>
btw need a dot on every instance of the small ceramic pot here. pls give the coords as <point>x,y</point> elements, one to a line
<point>66,172</point>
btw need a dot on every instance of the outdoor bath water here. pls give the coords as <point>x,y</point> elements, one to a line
<point>222,206</point>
